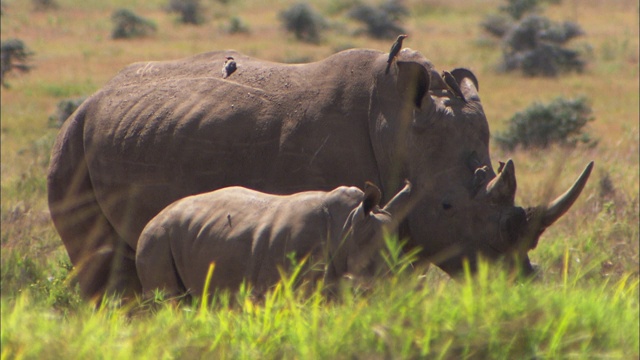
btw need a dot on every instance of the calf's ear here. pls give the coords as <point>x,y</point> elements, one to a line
<point>372,196</point>
<point>399,205</point>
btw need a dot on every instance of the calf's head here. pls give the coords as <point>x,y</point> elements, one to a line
<point>363,233</point>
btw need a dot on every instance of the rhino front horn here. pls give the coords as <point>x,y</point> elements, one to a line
<point>560,205</point>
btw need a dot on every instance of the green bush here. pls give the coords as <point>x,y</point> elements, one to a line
<point>533,43</point>
<point>42,5</point>
<point>304,22</point>
<point>129,25</point>
<point>14,55</point>
<point>236,26</point>
<point>381,22</point>
<point>64,109</point>
<point>190,11</point>
<point>518,8</point>
<point>559,122</point>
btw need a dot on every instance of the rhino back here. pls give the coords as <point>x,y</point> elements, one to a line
<point>161,131</point>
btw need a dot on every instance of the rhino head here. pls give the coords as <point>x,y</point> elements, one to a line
<point>438,138</point>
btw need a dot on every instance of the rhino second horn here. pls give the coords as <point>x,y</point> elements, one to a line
<point>562,203</point>
<point>502,189</point>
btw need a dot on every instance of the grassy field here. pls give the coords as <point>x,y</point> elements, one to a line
<point>585,304</point>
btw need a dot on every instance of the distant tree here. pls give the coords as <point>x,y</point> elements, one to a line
<point>559,122</point>
<point>191,11</point>
<point>129,25</point>
<point>304,22</point>
<point>381,22</point>
<point>14,55</point>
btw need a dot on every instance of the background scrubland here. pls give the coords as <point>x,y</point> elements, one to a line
<point>584,304</point>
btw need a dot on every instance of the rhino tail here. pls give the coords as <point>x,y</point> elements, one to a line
<point>102,261</point>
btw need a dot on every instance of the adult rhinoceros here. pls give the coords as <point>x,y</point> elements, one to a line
<point>160,131</point>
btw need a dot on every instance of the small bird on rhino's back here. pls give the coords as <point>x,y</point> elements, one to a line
<point>229,67</point>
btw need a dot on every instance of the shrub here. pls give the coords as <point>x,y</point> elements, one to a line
<point>497,24</point>
<point>236,25</point>
<point>518,8</point>
<point>395,9</point>
<point>381,21</point>
<point>561,121</point>
<point>42,5</point>
<point>129,25</point>
<point>304,22</point>
<point>14,55</point>
<point>190,11</point>
<point>64,109</point>
<point>535,45</point>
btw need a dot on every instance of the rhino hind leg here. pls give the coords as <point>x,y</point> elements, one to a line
<point>104,263</point>
<point>97,252</point>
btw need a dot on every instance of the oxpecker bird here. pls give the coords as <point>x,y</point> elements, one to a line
<point>395,49</point>
<point>452,84</point>
<point>229,67</point>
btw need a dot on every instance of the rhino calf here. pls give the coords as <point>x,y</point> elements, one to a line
<point>250,234</point>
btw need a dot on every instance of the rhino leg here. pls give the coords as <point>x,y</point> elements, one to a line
<point>94,247</point>
<point>155,263</point>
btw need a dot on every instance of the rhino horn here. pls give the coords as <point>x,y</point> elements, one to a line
<point>539,218</point>
<point>502,189</point>
<point>555,209</point>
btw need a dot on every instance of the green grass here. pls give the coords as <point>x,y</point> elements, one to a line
<point>584,305</point>
<point>485,316</point>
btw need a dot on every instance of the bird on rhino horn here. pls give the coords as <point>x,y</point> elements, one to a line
<point>342,229</point>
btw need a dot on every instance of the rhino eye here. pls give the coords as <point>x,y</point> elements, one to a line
<point>446,205</point>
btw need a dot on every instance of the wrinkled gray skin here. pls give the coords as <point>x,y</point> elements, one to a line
<point>249,236</point>
<point>160,131</point>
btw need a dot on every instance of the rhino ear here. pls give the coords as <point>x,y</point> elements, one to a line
<point>468,83</point>
<point>372,196</point>
<point>413,82</point>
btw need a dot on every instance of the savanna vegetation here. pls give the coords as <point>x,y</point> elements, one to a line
<point>583,304</point>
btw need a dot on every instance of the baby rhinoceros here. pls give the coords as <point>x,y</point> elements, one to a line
<point>248,235</point>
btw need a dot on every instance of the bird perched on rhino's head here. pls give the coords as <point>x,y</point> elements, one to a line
<point>395,49</point>
<point>229,67</point>
<point>452,85</point>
